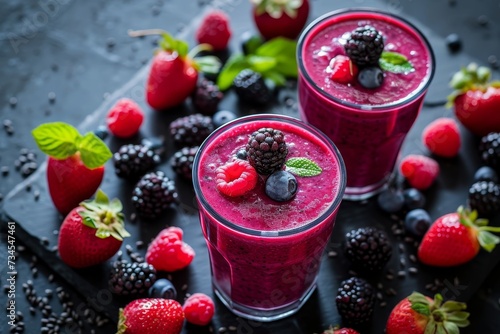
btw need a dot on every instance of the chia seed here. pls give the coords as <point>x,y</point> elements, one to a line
<point>13,101</point>
<point>52,97</point>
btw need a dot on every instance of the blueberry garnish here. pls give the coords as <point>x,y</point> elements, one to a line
<point>371,77</point>
<point>414,199</point>
<point>162,288</point>
<point>391,200</point>
<point>486,173</point>
<point>242,154</point>
<point>222,116</point>
<point>281,186</point>
<point>417,222</point>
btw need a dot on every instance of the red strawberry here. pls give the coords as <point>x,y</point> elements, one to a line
<point>92,232</point>
<point>151,316</point>
<point>284,18</point>
<point>214,30</point>
<point>476,99</point>
<point>199,309</point>
<point>75,165</point>
<point>456,238</point>
<point>420,171</point>
<point>343,330</point>
<point>125,118</point>
<point>342,69</point>
<point>236,178</point>
<point>442,137</point>
<point>167,252</point>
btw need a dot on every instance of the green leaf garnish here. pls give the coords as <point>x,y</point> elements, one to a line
<point>93,151</point>
<point>302,167</point>
<point>169,43</point>
<point>395,62</point>
<point>208,64</point>
<point>58,140</point>
<point>233,66</point>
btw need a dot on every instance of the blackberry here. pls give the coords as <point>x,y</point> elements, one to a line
<point>153,194</point>
<point>182,161</point>
<point>355,301</point>
<point>206,97</point>
<point>191,130</point>
<point>489,148</point>
<point>251,88</point>
<point>267,150</point>
<point>484,196</point>
<point>368,248</point>
<point>132,161</point>
<point>131,278</point>
<point>364,46</point>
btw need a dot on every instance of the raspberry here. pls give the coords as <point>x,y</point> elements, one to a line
<point>206,97</point>
<point>199,309</point>
<point>167,252</point>
<point>442,137</point>
<point>364,46</point>
<point>214,30</point>
<point>342,69</point>
<point>125,118</point>
<point>420,171</point>
<point>236,178</point>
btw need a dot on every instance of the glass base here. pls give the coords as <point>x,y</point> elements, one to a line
<point>362,193</point>
<point>264,315</point>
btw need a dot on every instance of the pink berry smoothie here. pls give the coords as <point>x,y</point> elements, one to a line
<point>265,255</point>
<point>367,125</point>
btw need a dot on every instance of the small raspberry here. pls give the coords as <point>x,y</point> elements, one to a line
<point>199,309</point>
<point>125,118</point>
<point>214,30</point>
<point>420,171</point>
<point>236,178</point>
<point>342,69</point>
<point>167,252</point>
<point>442,137</point>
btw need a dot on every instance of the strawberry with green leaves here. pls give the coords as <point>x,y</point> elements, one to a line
<point>419,314</point>
<point>75,167</point>
<point>280,18</point>
<point>456,238</point>
<point>476,99</point>
<point>151,316</point>
<point>174,71</point>
<point>92,232</point>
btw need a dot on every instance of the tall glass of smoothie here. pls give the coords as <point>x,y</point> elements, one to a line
<point>265,252</point>
<point>366,117</point>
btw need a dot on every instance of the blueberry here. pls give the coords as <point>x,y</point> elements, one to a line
<point>101,132</point>
<point>250,42</point>
<point>162,288</point>
<point>453,42</point>
<point>222,116</point>
<point>391,200</point>
<point>417,222</point>
<point>281,186</point>
<point>414,199</point>
<point>371,77</point>
<point>242,154</point>
<point>486,173</point>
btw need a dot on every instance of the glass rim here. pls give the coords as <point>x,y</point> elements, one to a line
<point>276,117</point>
<point>365,107</point>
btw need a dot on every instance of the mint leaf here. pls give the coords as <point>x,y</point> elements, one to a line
<point>58,140</point>
<point>302,167</point>
<point>278,78</point>
<point>395,62</point>
<point>260,63</point>
<point>283,50</point>
<point>253,43</point>
<point>233,66</point>
<point>93,151</point>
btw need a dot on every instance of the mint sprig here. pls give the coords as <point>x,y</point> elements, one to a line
<point>395,62</point>
<point>61,140</point>
<point>274,60</point>
<point>302,167</point>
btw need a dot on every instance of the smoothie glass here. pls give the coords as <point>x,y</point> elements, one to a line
<point>367,125</point>
<point>265,255</point>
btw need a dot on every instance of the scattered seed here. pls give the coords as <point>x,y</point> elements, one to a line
<point>110,42</point>
<point>383,304</point>
<point>456,281</point>
<point>155,10</point>
<point>391,292</point>
<point>429,286</point>
<point>402,261</point>
<point>409,239</point>
<point>380,296</point>
<point>224,329</point>
<point>352,273</point>
<point>483,20</point>
<point>401,274</point>
<point>412,258</point>
<point>401,247</point>
<point>52,97</point>
<point>332,254</point>
<point>139,244</point>
<point>51,278</point>
<point>412,270</point>
<point>389,277</point>
<point>232,328</point>
<point>380,286</point>
<point>13,101</point>
<point>44,241</point>
<point>453,42</point>
<point>184,287</point>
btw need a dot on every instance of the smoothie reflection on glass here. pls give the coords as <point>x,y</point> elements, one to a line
<point>367,124</point>
<point>265,254</point>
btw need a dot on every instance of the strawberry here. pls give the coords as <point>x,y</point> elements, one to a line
<point>167,252</point>
<point>214,30</point>
<point>456,238</point>
<point>125,118</point>
<point>476,99</point>
<point>420,171</point>
<point>199,309</point>
<point>442,137</point>
<point>419,314</point>
<point>174,73</point>
<point>285,18</point>
<point>337,330</point>
<point>151,316</point>
<point>75,166</point>
<point>92,232</point>
<point>342,69</point>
